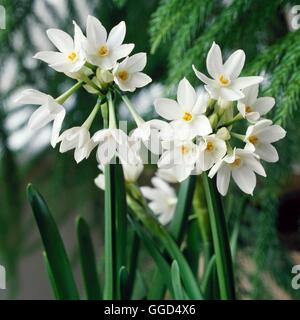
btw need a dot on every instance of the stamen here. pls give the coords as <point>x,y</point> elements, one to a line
<point>224,81</point>
<point>72,56</point>
<point>248,109</point>
<point>210,146</point>
<point>253,139</point>
<point>237,162</point>
<point>103,51</point>
<point>123,75</point>
<point>187,116</point>
<point>184,149</point>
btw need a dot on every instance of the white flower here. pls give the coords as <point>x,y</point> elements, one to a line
<point>49,111</point>
<point>102,50</point>
<point>162,199</point>
<point>174,174</point>
<point>260,136</point>
<point>151,133</point>
<point>128,75</point>
<point>77,138</point>
<point>71,56</point>
<point>111,143</point>
<point>186,113</point>
<point>212,149</point>
<point>131,173</point>
<point>225,83</point>
<point>252,107</point>
<point>242,166</point>
<point>179,154</point>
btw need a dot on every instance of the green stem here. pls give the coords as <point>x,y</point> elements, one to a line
<point>62,98</point>
<point>88,122</point>
<point>111,110</point>
<point>238,117</point>
<point>238,136</point>
<point>220,239</point>
<point>137,118</point>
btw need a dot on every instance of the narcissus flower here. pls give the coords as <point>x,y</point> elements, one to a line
<point>186,113</point>
<point>225,83</point>
<point>128,75</point>
<point>212,149</point>
<point>70,57</point>
<point>259,139</point>
<point>77,138</point>
<point>242,166</point>
<point>49,111</point>
<point>102,50</point>
<point>112,143</point>
<point>251,107</point>
<point>162,199</point>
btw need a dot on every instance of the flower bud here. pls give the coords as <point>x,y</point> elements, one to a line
<point>223,104</point>
<point>104,77</point>
<point>223,134</point>
<point>213,119</point>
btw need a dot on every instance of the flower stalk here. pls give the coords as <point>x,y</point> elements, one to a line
<point>220,240</point>
<point>66,95</point>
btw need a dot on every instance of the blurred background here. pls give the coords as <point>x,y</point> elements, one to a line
<point>176,34</point>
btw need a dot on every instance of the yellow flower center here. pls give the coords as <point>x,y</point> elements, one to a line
<point>184,149</point>
<point>237,162</point>
<point>224,81</point>
<point>123,75</point>
<point>248,109</point>
<point>253,139</point>
<point>103,51</point>
<point>210,146</point>
<point>187,116</point>
<point>72,56</point>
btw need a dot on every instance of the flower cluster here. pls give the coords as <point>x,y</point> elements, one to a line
<point>197,132</point>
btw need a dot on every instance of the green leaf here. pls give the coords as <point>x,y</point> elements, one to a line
<point>162,265</point>
<point>207,278</point>
<point>177,226</point>
<point>123,279</point>
<point>220,239</point>
<point>87,260</point>
<point>56,254</point>
<point>176,282</point>
<point>51,278</point>
<point>163,238</point>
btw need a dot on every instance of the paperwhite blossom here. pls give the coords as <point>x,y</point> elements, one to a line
<point>151,133</point>
<point>242,166</point>
<point>259,139</point>
<point>186,113</point>
<point>102,50</point>
<point>179,154</point>
<point>162,199</point>
<point>212,149</point>
<point>77,138</point>
<point>251,107</point>
<point>128,75</point>
<point>49,111</point>
<point>71,57</point>
<point>225,83</point>
<point>111,143</point>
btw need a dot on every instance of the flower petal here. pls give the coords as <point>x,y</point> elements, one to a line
<point>62,41</point>
<point>122,51</point>
<point>245,179</point>
<point>223,179</point>
<point>117,35</point>
<point>137,62</point>
<point>214,61</point>
<point>139,80</point>
<point>186,95</point>
<point>230,94</point>
<point>167,108</point>
<point>96,33</point>
<point>244,82</point>
<point>264,104</point>
<point>203,77</point>
<point>202,125</point>
<point>31,96</point>
<point>234,64</point>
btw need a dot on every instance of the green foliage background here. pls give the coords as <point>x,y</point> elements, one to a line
<point>178,33</point>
